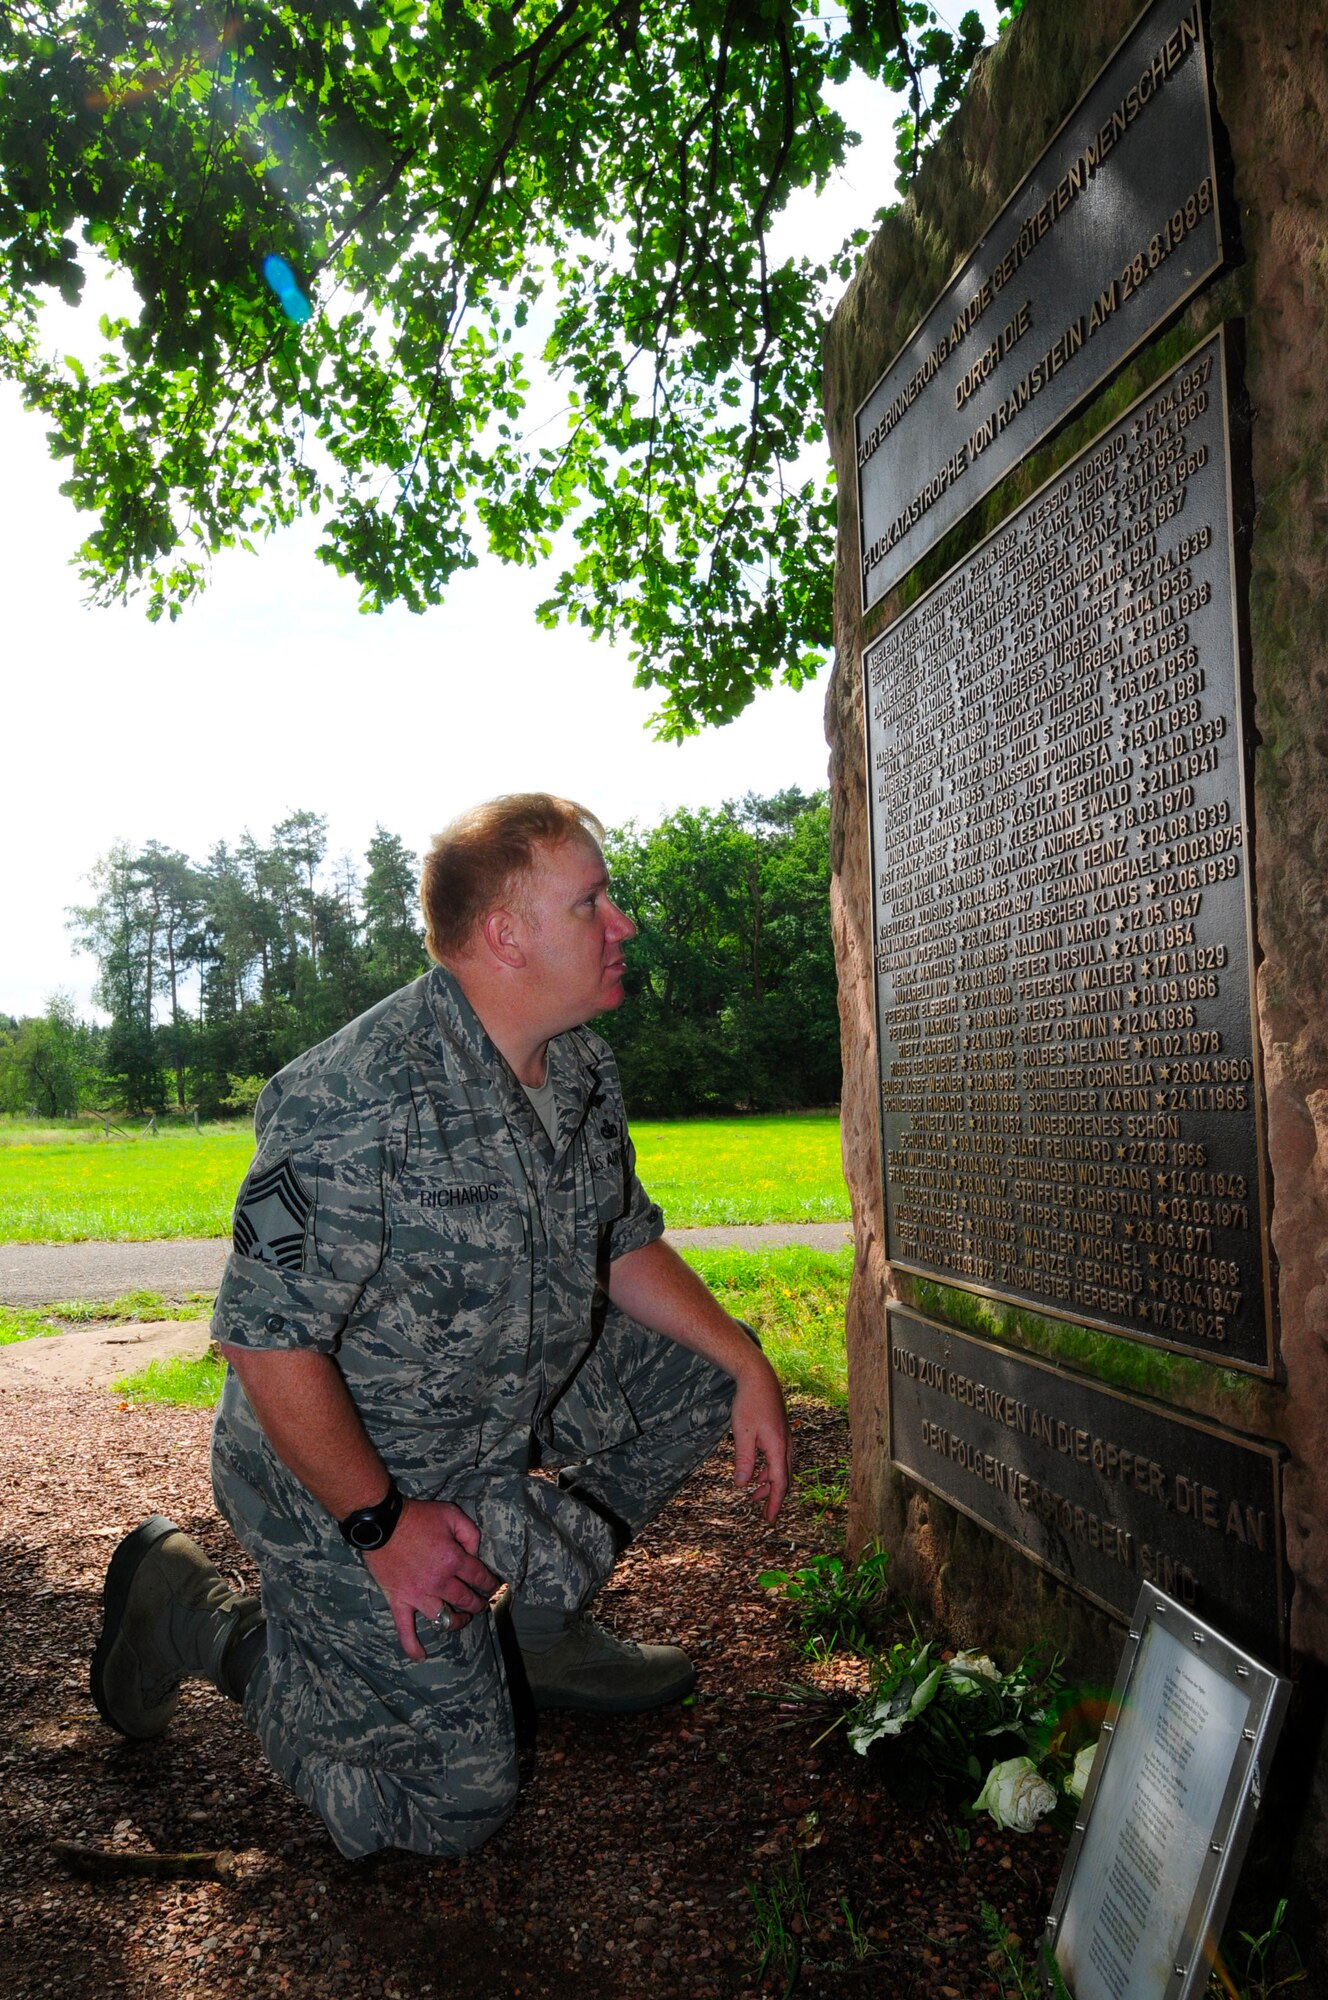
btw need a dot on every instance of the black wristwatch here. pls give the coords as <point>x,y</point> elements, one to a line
<point>371,1527</point>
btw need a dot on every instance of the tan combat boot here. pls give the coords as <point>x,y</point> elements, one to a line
<point>169,1616</point>
<point>571,1661</point>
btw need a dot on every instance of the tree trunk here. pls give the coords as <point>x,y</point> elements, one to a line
<point>175,1018</point>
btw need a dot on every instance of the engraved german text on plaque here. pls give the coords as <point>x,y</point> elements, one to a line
<point>1070,1092</point>
<point>1106,1491</point>
<point>1116,224</point>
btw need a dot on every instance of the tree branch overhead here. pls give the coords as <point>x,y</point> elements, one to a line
<point>468,200</point>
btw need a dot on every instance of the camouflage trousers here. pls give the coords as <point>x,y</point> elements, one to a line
<point>422,1755</point>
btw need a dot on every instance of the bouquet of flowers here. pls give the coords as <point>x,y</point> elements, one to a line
<point>955,1715</point>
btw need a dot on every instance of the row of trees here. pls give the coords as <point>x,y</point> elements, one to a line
<point>214,974</point>
<point>51,1063</point>
<point>224,970</point>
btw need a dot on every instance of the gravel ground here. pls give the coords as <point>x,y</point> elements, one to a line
<point>625,1869</point>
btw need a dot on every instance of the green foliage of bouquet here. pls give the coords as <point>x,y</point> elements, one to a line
<point>957,1719</point>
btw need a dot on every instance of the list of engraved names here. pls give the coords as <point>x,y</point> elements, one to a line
<point>1069,1099</point>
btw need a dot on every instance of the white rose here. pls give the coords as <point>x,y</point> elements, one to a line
<point>965,1666</point>
<point>1016,1794</point>
<point>1076,1784</point>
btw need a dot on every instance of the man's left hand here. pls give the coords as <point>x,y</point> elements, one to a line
<point>763,1447</point>
<point>653,1285</point>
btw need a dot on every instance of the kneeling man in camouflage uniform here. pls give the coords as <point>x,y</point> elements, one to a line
<point>445,1270</point>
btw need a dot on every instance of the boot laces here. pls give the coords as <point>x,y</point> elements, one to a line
<point>597,1635</point>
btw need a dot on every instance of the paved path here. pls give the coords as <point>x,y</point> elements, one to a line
<point>35,1273</point>
<point>93,1357</point>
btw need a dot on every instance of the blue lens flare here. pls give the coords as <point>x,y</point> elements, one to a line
<point>281,278</point>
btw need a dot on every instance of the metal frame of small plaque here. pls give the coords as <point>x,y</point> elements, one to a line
<point>1167,1813</point>
<point>1114,227</point>
<point>1071,1092</point>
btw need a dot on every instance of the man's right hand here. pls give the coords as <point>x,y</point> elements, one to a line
<point>431,1564</point>
<point>431,1561</point>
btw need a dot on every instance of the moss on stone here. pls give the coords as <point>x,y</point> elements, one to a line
<point>1111,1358</point>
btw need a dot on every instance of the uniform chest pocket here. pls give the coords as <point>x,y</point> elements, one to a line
<point>459,1234</point>
<point>608,1174</point>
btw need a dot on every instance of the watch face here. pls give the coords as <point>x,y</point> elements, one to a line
<point>367,1534</point>
<point>370,1527</point>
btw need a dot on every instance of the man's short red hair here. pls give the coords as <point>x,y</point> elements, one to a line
<point>471,865</point>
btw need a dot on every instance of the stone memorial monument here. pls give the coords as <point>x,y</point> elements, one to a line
<point>1078,401</point>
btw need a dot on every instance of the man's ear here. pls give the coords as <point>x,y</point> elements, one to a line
<point>504,937</point>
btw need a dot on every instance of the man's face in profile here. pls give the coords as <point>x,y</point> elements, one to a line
<point>576,933</point>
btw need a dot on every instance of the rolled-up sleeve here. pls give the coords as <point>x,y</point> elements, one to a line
<point>310,1227</point>
<point>258,1306</point>
<point>642,1219</point>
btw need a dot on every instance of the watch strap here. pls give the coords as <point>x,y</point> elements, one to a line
<point>372,1527</point>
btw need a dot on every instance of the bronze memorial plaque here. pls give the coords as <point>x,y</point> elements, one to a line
<point>1070,1090</point>
<point>1115,226</point>
<point>1106,1491</point>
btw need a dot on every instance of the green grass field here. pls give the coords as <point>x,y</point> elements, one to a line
<point>723,1170</point>
<point>794,1298</point>
<point>63,1189</point>
<point>138,1308</point>
<point>176,1379</point>
<point>58,1188</point>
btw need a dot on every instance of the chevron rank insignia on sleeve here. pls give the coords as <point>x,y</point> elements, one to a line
<point>271,1216</point>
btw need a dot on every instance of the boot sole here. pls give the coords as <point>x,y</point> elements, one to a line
<point>124,1566</point>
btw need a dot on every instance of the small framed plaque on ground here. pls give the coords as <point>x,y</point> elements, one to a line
<point>1167,1814</point>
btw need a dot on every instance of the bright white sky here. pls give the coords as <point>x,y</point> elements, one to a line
<point>273,693</point>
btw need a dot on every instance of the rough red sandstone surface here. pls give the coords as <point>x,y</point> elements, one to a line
<point>1271,77</point>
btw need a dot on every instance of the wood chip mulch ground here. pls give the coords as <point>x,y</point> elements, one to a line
<point>626,1868</point>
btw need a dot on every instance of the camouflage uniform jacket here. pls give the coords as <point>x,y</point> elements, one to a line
<point>406,1213</point>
